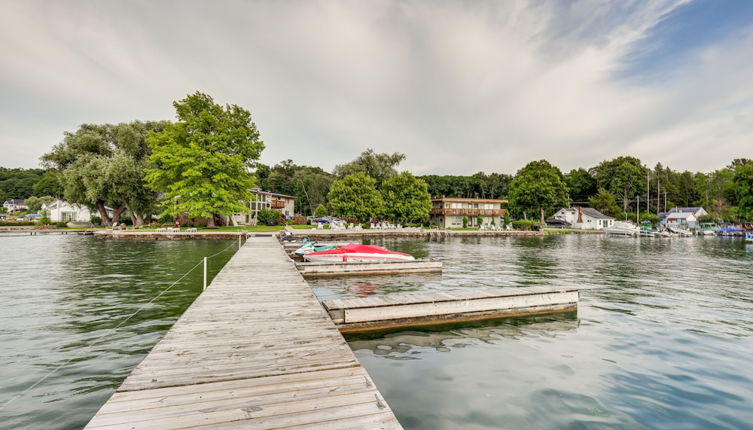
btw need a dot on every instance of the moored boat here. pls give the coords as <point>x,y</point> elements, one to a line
<point>623,229</point>
<point>355,253</point>
<point>749,237</point>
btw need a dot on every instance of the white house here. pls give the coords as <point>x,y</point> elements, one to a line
<point>584,218</point>
<point>15,205</point>
<point>265,200</point>
<point>681,219</point>
<point>62,211</point>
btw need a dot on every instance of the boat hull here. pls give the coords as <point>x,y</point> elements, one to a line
<point>356,257</point>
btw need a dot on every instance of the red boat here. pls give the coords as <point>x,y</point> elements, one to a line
<point>355,253</point>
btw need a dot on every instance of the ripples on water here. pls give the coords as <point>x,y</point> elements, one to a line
<point>58,294</point>
<point>664,341</point>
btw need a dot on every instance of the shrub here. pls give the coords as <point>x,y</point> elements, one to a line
<point>265,215</point>
<point>465,222</point>
<point>493,222</point>
<point>18,223</point>
<point>200,224</point>
<point>525,224</point>
<point>321,211</point>
<point>125,220</point>
<point>61,224</point>
<point>479,221</point>
<point>96,220</point>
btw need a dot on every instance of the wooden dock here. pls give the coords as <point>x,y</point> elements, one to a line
<point>472,304</point>
<point>256,351</point>
<point>310,270</point>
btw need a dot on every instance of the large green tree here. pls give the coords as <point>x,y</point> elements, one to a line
<point>103,164</point>
<point>355,196</point>
<point>202,163</point>
<point>406,198</point>
<point>605,202</point>
<point>380,166</point>
<point>538,187</point>
<point>624,177</point>
<point>581,184</point>
<point>744,187</point>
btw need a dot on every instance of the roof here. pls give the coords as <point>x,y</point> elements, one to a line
<point>593,213</point>
<point>692,209</point>
<point>14,202</point>
<point>267,193</point>
<point>680,215</point>
<point>461,199</point>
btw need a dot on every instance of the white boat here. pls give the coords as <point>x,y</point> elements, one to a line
<point>623,229</point>
<point>749,237</point>
<point>355,253</point>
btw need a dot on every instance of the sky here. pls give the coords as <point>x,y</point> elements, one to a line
<point>457,86</point>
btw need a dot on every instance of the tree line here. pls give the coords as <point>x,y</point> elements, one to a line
<point>204,163</point>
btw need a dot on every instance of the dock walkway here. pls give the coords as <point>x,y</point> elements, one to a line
<point>256,351</point>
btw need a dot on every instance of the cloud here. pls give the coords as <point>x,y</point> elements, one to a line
<point>457,86</point>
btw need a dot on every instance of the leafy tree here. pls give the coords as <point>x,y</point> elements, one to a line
<point>581,184</point>
<point>320,211</point>
<point>538,186</point>
<point>18,183</point>
<point>355,196</point>
<point>202,162</point>
<point>624,177</point>
<point>744,185</point>
<point>406,198</point>
<point>104,165</point>
<point>606,203</point>
<point>480,185</point>
<point>380,166</point>
<point>48,185</point>
<point>465,222</point>
<point>309,185</point>
<point>35,203</point>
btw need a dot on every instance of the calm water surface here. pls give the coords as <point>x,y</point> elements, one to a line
<point>664,342</point>
<point>59,294</point>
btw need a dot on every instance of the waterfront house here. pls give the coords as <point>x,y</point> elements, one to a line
<point>681,220</point>
<point>265,200</point>
<point>449,212</point>
<point>13,205</point>
<point>62,211</point>
<point>584,218</point>
<point>685,217</point>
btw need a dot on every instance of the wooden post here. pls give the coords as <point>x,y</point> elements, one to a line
<point>205,273</point>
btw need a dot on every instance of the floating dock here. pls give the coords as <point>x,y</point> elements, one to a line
<point>310,270</point>
<point>472,304</point>
<point>255,350</point>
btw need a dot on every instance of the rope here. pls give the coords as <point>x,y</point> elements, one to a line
<point>97,340</point>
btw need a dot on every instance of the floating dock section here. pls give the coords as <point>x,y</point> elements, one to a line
<point>311,270</point>
<point>255,350</point>
<point>472,304</point>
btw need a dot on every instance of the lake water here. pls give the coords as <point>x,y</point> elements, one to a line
<point>61,294</point>
<point>665,340</point>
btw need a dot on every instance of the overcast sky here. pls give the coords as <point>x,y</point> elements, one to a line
<point>458,86</point>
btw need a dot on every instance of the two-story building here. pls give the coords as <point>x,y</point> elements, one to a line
<point>265,200</point>
<point>13,205</point>
<point>449,212</point>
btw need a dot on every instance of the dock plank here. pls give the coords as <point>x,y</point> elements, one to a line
<point>256,350</point>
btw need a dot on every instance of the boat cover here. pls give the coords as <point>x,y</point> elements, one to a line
<point>356,248</point>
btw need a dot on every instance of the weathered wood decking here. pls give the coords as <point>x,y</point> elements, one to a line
<point>441,307</point>
<point>368,268</point>
<point>256,351</point>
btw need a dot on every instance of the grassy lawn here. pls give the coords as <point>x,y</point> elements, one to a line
<point>558,230</point>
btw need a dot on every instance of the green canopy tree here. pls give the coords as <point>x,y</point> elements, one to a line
<point>581,184</point>
<point>624,177</point>
<point>202,163</point>
<point>35,203</point>
<point>321,211</point>
<point>606,203</point>
<point>538,186</point>
<point>380,166</point>
<point>48,185</point>
<point>103,164</point>
<point>744,187</point>
<point>355,196</point>
<point>406,198</point>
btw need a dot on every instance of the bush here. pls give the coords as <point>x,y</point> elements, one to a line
<point>321,211</point>
<point>526,224</point>
<point>61,224</point>
<point>200,224</point>
<point>479,221</point>
<point>96,220</point>
<point>16,223</point>
<point>465,222</point>
<point>125,220</point>
<point>265,215</point>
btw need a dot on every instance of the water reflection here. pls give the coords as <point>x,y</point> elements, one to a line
<point>62,294</point>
